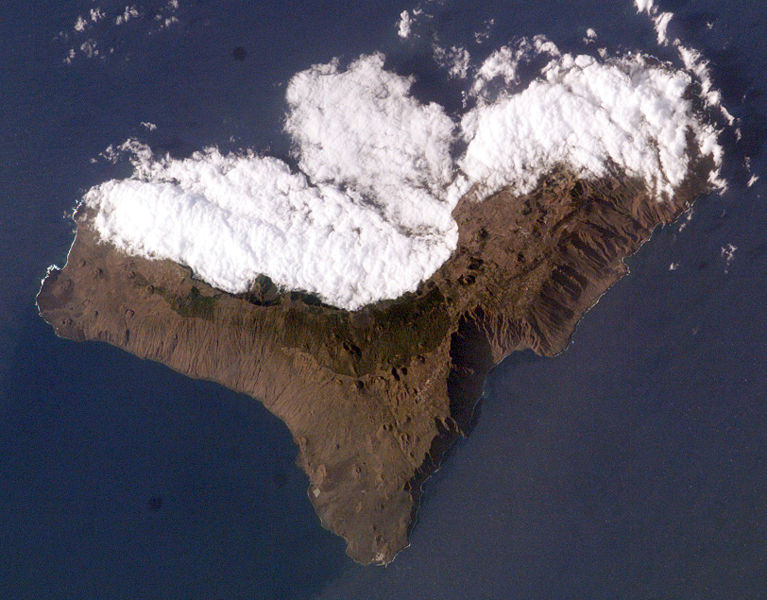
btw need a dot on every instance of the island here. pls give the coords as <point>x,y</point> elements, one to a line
<point>374,398</point>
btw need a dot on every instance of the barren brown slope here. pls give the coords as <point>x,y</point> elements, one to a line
<point>374,397</point>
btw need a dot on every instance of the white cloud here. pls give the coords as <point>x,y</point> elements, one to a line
<point>360,128</point>
<point>368,216</point>
<point>698,65</point>
<point>647,6</point>
<point>408,20</point>
<point>405,23</point>
<point>230,218</point>
<point>455,59</point>
<point>687,220</point>
<point>90,49</point>
<point>661,27</point>
<point>660,19</point>
<point>480,37</point>
<point>129,12</point>
<point>367,225</point>
<point>503,63</point>
<point>165,22</point>
<point>692,59</point>
<point>587,114</point>
<point>96,14</point>
<point>80,24</point>
<point>88,45</point>
<point>728,254</point>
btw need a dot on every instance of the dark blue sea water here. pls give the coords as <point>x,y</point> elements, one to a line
<point>632,466</point>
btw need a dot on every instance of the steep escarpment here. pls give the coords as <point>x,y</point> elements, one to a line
<point>375,397</point>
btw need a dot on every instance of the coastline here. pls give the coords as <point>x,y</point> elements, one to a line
<point>374,417</point>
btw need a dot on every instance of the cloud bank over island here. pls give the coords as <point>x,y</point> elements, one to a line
<point>588,114</point>
<point>367,215</point>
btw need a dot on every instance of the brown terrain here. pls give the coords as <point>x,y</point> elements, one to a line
<point>374,398</point>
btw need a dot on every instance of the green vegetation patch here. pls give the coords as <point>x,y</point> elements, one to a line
<point>381,336</point>
<point>194,305</point>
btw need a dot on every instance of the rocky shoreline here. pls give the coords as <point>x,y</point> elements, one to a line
<point>374,398</point>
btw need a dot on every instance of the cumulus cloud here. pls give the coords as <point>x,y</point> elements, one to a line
<point>87,28</point>
<point>587,114</point>
<point>129,12</point>
<point>686,220</point>
<point>410,19</point>
<point>366,219</point>
<point>90,48</point>
<point>693,60</point>
<point>368,213</point>
<point>166,17</point>
<point>165,22</point>
<point>480,37</point>
<point>503,64</point>
<point>80,24</point>
<point>360,128</point>
<point>231,218</point>
<point>697,64</point>
<point>647,6</point>
<point>405,24</point>
<point>96,14</point>
<point>455,59</point>
<point>727,253</point>
<point>661,26</point>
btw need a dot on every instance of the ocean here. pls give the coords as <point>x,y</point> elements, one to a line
<point>634,465</point>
